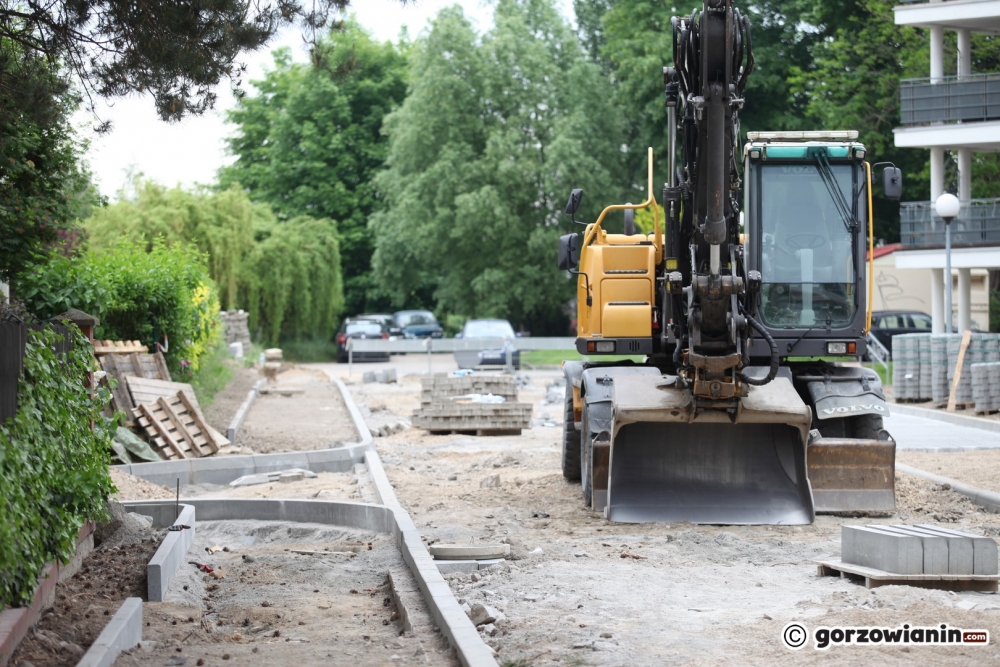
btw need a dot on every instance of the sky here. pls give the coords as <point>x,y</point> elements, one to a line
<point>191,151</point>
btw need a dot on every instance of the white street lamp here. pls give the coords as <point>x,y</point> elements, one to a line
<point>947,207</point>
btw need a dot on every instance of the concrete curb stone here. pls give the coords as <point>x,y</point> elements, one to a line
<point>947,417</point>
<point>123,632</point>
<point>242,412</point>
<point>987,499</point>
<point>168,558</point>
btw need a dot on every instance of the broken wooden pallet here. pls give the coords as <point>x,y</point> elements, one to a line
<point>123,366</point>
<point>874,578</point>
<point>176,427</point>
<point>147,390</point>
<point>102,347</point>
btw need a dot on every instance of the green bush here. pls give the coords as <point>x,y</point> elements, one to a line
<point>53,466</point>
<point>137,295</point>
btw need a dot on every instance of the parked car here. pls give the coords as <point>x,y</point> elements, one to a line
<point>889,323</point>
<point>499,329</point>
<point>360,329</point>
<point>387,321</point>
<point>418,324</point>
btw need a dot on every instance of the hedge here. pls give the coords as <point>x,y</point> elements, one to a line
<point>53,466</point>
<point>137,295</point>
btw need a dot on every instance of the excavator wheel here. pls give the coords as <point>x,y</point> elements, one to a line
<point>571,440</point>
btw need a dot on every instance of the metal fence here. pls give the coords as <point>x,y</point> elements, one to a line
<point>949,98</point>
<point>432,346</point>
<point>978,224</point>
<point>13,339</point>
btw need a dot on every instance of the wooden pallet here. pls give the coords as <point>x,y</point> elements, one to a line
<point>122,366</point>
<point>176,428</point>
<point>102,347</point>
<point>874,578</point>
<point>147,390</point>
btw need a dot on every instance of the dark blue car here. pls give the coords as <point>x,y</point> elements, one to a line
<point>418,324</point>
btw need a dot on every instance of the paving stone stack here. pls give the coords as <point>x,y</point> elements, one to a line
<point>939,368</point>
<point>925,377</point>
<point>986,386</point>
<point>443,409</point>
<point>918,550</point>
<point>906,366</point>
<point>234,323</point>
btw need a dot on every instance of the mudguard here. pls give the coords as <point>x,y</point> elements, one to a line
<point>846,392</point>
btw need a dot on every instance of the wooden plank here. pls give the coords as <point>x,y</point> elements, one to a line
<point>161,363</point>
<point>966,337</point>
<point>147,390</point>
<point>155,426</point>
<point>118,347</point>
<point>121,398</point>
<point>182,430</point>
<point>199,421</point>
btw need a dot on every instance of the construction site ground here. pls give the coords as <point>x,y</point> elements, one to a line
<point>577,589</point>
<point>581,590</point>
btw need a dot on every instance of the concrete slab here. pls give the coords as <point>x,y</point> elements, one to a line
<point>453,566</point>
<point>881,550</point>
<point>122,633</point>
<point>935,548</point>
<point>469,551</point>
<point>984,549</point>
<point>279,461</point>
<point>164,472</point>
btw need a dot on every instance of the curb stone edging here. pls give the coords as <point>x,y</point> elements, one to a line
<point>947,417</point>
<point>123,632</point>
<point>242,412</point>
<point>165,562</point>
<point>986,499</point>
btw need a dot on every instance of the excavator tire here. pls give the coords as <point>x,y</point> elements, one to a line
<point>571,440</point>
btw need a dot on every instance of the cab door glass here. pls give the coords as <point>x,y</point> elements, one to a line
<point>807,252</point>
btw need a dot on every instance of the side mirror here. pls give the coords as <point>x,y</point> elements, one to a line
<point>892,182</point>
<point>575,197</point>
<point>569,251</point>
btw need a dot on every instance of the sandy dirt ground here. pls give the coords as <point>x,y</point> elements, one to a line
<point>579,590</point>
<point>314,418</point>
<point>227,401</point>
<point>979,467</point>
<point>267,605</point>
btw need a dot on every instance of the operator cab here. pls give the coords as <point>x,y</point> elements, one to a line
<point>808,205</point>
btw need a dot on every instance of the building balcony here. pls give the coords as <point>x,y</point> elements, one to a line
<point>950,99</point>
<point>973,15</point>
<point>977,225</point>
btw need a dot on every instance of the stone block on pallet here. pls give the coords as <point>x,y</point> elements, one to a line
<point>881,550</point>
<point>984,549</point>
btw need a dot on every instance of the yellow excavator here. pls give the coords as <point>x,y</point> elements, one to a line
<point>743,307</point>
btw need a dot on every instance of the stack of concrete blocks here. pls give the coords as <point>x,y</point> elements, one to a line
<point>272,364</point>
<point>939,368</point>
<point>986,386</point>
<point>440,411</point>
<point>911,359</point>
<point>917,550</point>
<point>234,323</point>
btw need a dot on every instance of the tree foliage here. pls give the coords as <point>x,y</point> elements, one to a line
<point>44,187</point>
<point>285,273</point>
<point>309,141</point>
<point>475,186</point>
<point>175,51</point>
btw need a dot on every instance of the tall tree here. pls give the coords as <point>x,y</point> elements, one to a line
<point>309,141</point>
<point>475,187</point>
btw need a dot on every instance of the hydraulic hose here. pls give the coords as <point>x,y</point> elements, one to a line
<point>773,372</point>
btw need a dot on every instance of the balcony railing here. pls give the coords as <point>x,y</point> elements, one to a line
<point>978,224</point>
<point>950,98</point>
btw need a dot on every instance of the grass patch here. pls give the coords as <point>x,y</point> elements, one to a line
<point>536,358</point>
<point>309,351</point>
<point>213,374</point>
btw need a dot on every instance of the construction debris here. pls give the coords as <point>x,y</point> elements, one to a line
<point>480,404</point>
<point>269,477</point>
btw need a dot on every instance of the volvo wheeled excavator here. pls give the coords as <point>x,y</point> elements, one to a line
<point>743,305</point>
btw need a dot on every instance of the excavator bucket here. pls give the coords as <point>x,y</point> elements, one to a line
<point>849,475</point>
<point>709,473</point>
<point>670,461</point>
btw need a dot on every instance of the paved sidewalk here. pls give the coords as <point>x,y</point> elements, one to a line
<point>921,433</point>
